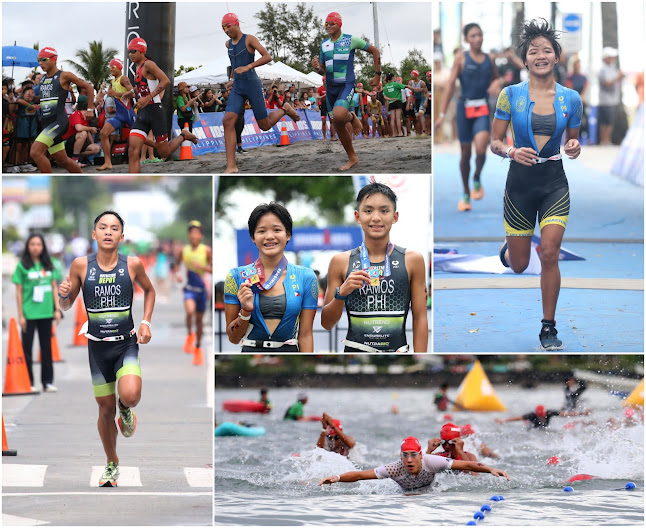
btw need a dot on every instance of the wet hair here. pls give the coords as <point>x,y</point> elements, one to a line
<point>96,220</point>
<point>444,386</point>
<point>374,188</point>
<point>533,29</point>
<point>270,208</point>
<point>469,27</point>
<point>45,260</point>
<point>263,391</point>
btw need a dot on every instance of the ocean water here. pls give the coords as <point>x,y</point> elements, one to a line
<point>273,479</point>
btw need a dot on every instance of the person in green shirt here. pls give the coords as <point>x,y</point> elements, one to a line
<point>393,94</point>
<point>295,412</point>
<point>35,278</point>
<point>184,104</point>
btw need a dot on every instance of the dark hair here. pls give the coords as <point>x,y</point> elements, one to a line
<point>389,76</point>
<point>273,208</point>
<point>26,88</point>
<point>469,27</point>
<point>45,260</point>
<point>374,188</point>
<point>96,220</point>
<point>533,29</point>
<point>444,386</point>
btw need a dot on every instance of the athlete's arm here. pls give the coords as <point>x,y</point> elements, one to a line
<point>510,419</point>
<point>237,327</point>
<point>350,476</point>
<point>572,146</point>
<point>57,308</point>
<point>253,45</point>
<point>418,299</point>
<point>376,58</point>
<point>71,286</point>
<point>125,82</point>
<point>151,68</point>
<point>68,77</point>
<point>574,413</point>
<point>141,278</point>
<point>305,334</point>
<point>209,259</point>
<point>478,468</point>
<point>524,155</point>
<point>458,63</point>
<point>497,82</point>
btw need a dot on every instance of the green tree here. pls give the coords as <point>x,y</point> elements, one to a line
<point>413,61</point>
<point>193,195</point>
<point>93,65</point>
<point>185,69</point>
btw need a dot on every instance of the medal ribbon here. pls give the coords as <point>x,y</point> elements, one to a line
<point>365,260</point>
<point>278,271</point>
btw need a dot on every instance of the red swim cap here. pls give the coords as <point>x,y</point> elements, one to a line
<point>629,412</point>
<point>449,431</point>
<point>428,73</point>
<point>331,431</point>
<point>411,444</point>
<point>359,85</point>
<point>231,18</point>
<point>138,44</point>
<point>540,410</point>
<point>399,79</point>
<point>467,430</point>
<point>117,62</point>
<point>334,17</point>
<point>415,72</point>
<point>49,53</point>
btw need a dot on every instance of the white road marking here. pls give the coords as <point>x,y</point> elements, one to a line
<point>13,520</point>
<point>128,476</point>
<point>23,475</point>
<point>199,477</point>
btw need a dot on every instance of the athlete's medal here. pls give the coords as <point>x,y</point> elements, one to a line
<point>375,273</point>
<point>250,275</point>
<point>259,283</point>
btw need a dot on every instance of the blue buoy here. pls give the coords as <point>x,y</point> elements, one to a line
<point>485,507</point>
<point>500,497</point>
<point>495,498</point>
<point>471,523</point>
<point>478,515</point>
<point>630,485</point>
<point>568,488</point>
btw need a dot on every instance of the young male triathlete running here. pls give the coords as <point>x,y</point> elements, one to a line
<point>377,282</point>
<point>122,92</point>
<point>198,260</point>
<point>54,87</point>
<point>150,84</point>
<point>107,279</point>
<point>336,62</point>
<point>246,85</point>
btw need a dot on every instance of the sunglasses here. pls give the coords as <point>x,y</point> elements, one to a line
<point>43,59</point>
<point>328,24</point>
<point>133,51</point>
<point>333,437</point>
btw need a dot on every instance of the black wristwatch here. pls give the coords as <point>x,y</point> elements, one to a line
<point>378,73</point>
<point>337,295</point>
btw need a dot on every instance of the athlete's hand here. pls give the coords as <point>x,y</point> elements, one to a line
<point>500,421</point>
<point>242,69</point>
<point>573,148</point>
<point>315,63</point>
<point>329,480</point>
<point>525,156</point>
<point>438,123</point>
<point>65,287</point>
<point>88,114</point>
<point>245,296</point>
<point>143,335</point>
<point>355,280</point>
<point>375,80</point>
<point>57,316</point>
<point>229,85</point>
<point>143,101</point>
<point>499,473</point>
<point>93,130</point>
<point>433,444</point>
<point>459,444</point>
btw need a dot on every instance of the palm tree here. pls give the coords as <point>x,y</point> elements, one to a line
<point>93,63</point>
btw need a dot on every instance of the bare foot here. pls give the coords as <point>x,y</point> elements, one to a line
<point>231,170</point>
<point>356,124</point>
<point>105,166</point>
<point>291,112</point>
<point>351,163</point>
<point>190,136</point>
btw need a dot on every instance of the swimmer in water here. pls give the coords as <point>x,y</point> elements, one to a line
<point>540,417</point>
<point>332,437</point>
<point>413,470</point>
<point>451,442</point>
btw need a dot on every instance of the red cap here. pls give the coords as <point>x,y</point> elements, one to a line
<point>230,18</point>
<point>331,431</point>
<point>415,72</point>
<point>49,53</point>
<point>359,85</point>
<point>138,44</point>
<point>399,79</point>
<point>334,17</point>
<point>629,412</point>
<point>411,444</point>
<point>428,73</point>
<point>449,431</point>
<point>540,410</point>
<point>467,430</point>
<point>117,62</point>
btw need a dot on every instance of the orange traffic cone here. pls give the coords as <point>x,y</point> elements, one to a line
<point>198,356</point>
<point>17,376</point>
<point>186,150</point>
<point>81,318</point>
<point>5,448</point>
<point>284,136</point>
<point>56,353</point>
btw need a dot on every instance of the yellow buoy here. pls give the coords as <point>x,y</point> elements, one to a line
<point>636,397</point>
<point>476,392</point>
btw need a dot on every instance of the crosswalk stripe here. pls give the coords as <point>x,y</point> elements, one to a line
<point>23,475</point>
<point>199,477</point>
<point>128,476</point>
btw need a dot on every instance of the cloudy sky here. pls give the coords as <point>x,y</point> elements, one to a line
<point>68,26</point>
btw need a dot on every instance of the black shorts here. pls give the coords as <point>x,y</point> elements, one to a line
<point>395,105</point>
<point>69,145</point>
<point>323,108</point>
<point>149,118</point>
<point>185,120</point>
<point>428,108</point>
<point>606,115</point>
<point>418,105</point>
<point>109,360</point>
<point>409,112</point>
<point>540,189</point>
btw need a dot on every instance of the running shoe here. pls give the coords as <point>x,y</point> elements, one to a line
<point>188,344</point>
<point>477,193</point>
<point>464,204</point>
<point>548,338</point>
<point>241,150</point>
<point>127,422</point>
<point>49,387</point>
<point>110,476</point>
<point>502,251</point>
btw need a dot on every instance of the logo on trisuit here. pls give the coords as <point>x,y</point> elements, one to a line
<point>377,329</point>
<point>121,271</point>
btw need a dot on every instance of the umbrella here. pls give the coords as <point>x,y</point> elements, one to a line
<point>19,56</point>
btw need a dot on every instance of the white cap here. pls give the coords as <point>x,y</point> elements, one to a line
<point>609,52</point>
<point>192,88</point>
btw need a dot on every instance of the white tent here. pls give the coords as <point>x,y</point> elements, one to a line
<point>315,78</point>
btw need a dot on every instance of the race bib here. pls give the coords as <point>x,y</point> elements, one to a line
<point>476,108</point>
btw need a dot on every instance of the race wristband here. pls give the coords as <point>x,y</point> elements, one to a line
<point>442,114</point>
<point>508,151</point>
<point>243,317</point>
<point>147,323</point>
<point>64,298</point>
<point>339,477</point>
<point>323,430</point>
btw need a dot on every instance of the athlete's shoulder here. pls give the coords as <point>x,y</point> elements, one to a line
<point>303,271</point>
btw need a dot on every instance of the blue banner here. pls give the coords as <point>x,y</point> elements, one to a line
<point>336,238</point>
